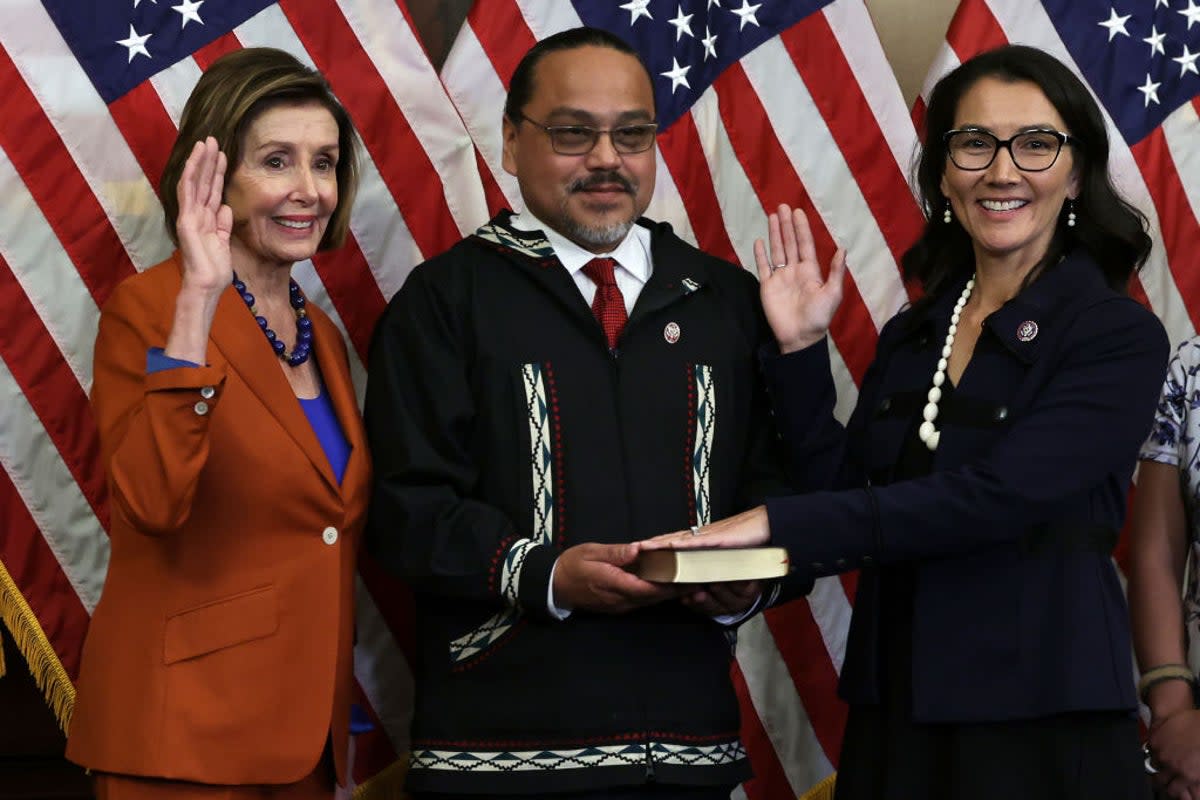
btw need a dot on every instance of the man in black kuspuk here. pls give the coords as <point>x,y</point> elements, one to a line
<point>562,383</point>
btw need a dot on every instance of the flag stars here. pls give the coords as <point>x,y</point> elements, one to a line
<point>189,10</point>
<point>682,23</point>
<point>137,3</point>
<point>712,3</point>
<point>710,44</point>
<point>1155,40</point>
<point>747,13</point>
<point>1187,62</point>
<point>1149,90</point>
<point>136,44</point>
<point>1115,24</point>
<point>678,75</point>
<point>1162,3</point>
<point>1192,12</point>
<point>637,9</point>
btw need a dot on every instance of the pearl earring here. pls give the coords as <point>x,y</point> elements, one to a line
<point>947,217</point>
<point>1070,213</point>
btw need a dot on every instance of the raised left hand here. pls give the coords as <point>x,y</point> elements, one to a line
<point>798,300</point>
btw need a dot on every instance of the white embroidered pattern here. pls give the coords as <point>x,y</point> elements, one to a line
<point>541,458</point>
<point>578,758</point>
<point>706,423</point>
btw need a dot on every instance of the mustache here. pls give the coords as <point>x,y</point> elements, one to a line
<point>600,179</point>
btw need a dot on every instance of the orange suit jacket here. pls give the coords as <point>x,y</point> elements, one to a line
<point>220,650</point>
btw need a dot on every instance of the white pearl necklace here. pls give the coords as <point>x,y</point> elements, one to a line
<point>927,433</point>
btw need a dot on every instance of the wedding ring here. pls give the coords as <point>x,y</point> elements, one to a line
<point>777,266</point>
<point>1148,763</point>
<point>695,529</point>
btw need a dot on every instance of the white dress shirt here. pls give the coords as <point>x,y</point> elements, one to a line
<point>632,256</point>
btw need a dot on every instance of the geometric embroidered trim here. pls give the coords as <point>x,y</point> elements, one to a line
<point>496,761</point>
<point>541,453</point>
<point>472,644</point>
<point>706,423</point>
<point>541,459</point>
<point>540,248</point>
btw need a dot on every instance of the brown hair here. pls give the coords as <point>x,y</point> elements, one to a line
<point>231,94</point>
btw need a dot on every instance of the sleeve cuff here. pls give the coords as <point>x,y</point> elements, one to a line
<point>527,582</point>
<point>556,611</point>
<point>157,361</point>
<point>729,620</point>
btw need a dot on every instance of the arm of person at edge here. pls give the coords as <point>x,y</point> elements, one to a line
<point>1157,554</point>
<point>153,444</point>
<point>1106,386</point>
<point>798,303</point>
<point>423,523</point>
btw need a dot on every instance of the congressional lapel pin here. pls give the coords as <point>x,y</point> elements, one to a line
<point>689,285</point>
<point>1027,330</point>
<point>671,332</point>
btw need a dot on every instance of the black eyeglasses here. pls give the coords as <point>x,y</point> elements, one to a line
<point>973,149</point>
<point>578,140</point>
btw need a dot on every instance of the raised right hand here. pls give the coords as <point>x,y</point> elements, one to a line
<point>204,223</point>
<point>798,301</point>
<point>592,577</point>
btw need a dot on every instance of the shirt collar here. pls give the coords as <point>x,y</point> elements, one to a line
<point>633,253</point>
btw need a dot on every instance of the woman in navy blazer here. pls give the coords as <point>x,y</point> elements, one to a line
<point>980,482</point>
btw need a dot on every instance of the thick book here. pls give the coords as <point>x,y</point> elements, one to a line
<point>713,565</point>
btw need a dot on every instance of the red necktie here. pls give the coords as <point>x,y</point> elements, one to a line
<point>609,304</point>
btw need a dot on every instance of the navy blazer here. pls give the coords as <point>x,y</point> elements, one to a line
<point>1017,609</point>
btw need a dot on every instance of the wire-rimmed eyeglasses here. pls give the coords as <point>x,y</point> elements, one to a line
<point>578,140</point>
<point>974,149</point>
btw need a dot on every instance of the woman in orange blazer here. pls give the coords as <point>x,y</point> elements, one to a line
<point>218,662</point>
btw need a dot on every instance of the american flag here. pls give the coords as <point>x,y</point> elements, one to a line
<point>767,102</point>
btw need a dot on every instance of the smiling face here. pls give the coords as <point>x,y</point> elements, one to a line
<point>1009,214</point>
<point>593,198</point>
<point>284,189</point>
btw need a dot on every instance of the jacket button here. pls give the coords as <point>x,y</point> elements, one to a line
<point>207,392</point>
<point>329,535</point>
<point>200,408</point>
<point>1000,414</point>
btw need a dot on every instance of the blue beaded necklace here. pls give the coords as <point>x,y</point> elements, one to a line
<point>304,332</point>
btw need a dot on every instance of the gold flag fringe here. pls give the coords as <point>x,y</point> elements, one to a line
<point>387,784</point>
<point>32,643</point>
<point>823,790</point>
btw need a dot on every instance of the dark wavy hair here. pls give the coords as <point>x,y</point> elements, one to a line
<point>1111,230</point>
<point>520,86</point>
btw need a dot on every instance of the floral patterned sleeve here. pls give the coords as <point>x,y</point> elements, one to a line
<point>1176,429</point>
